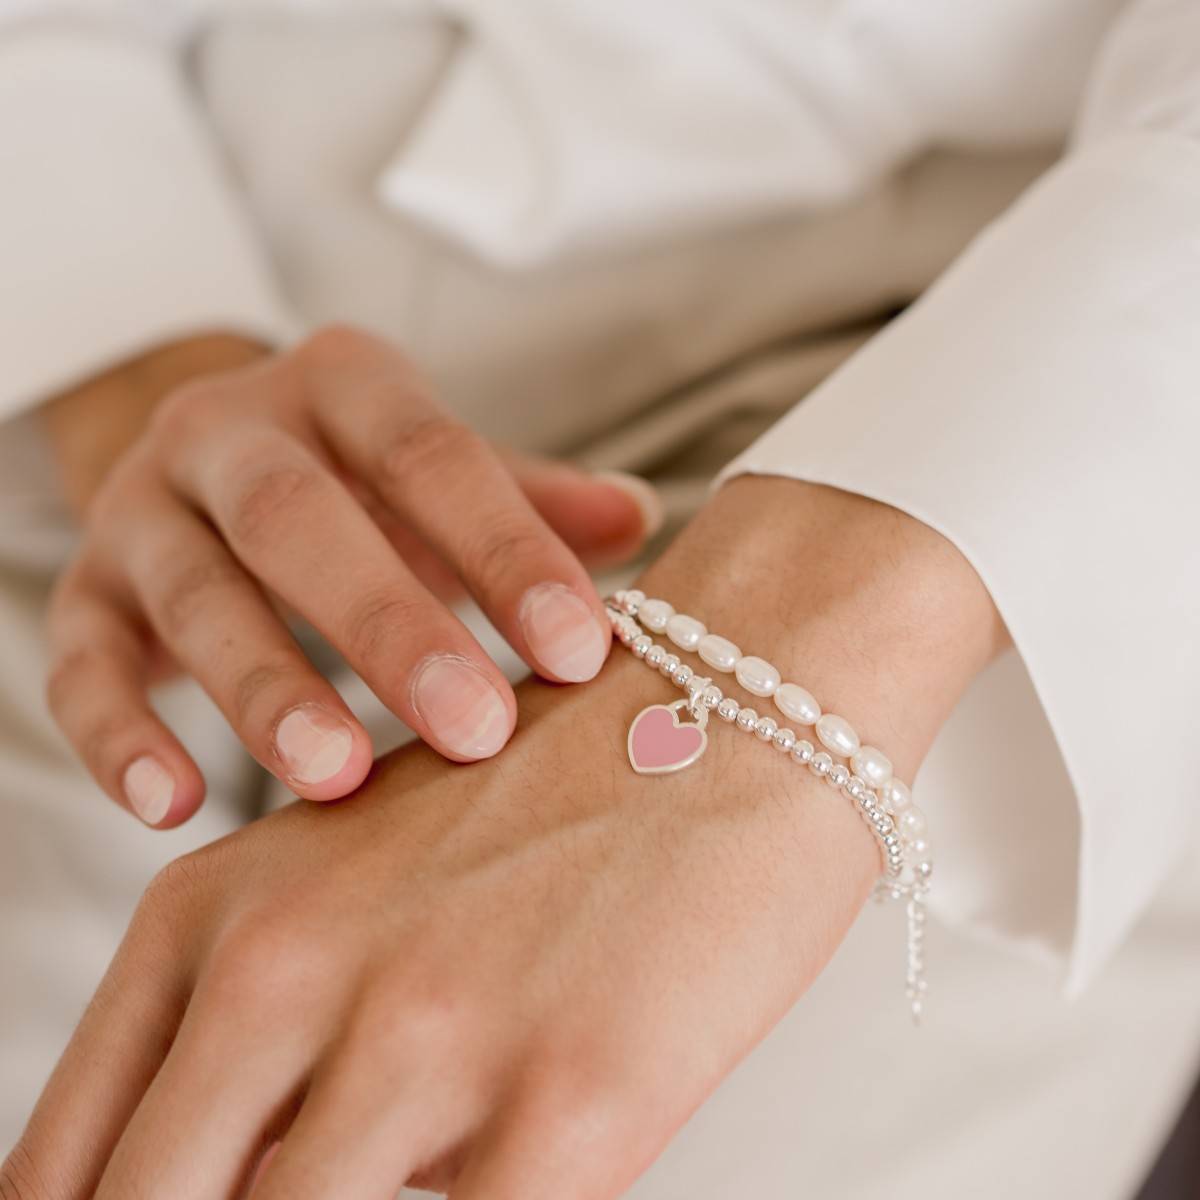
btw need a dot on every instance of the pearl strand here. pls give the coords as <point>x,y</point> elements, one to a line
<point>887,811</point>
<point>760,678</point>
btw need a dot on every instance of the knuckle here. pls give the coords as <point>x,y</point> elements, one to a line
<point>337,343</point>
<point>172,906</point>
<point>176,887</point>
<point>265,958</point>
<point>490,552</point>
<point>376,618</point>
<point>255,684</point>
<point>428,1025</point>
<point>427,444</point>
<point>185,588</point>
<point>184,411</point>
<point>20,1177</point>
<point>259,500</point>
<point>576,1112</point>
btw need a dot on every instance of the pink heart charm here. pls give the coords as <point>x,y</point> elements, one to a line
<point>658,743</point>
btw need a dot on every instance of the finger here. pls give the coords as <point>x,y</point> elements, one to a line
<point>230,1080</point>
<point>547,1148</point>
<point>605,517</point>
<point>105,1070</point>
<point>220,627</point>
<point>296,528</point>
<point>97,692</point>
<point>454,491</point>
<point>371,1120</point>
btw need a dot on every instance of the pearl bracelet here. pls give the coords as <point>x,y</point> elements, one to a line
<point>659,742</point>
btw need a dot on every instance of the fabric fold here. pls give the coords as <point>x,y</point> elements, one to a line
<point>1038,407</point>
<point>122,229</point>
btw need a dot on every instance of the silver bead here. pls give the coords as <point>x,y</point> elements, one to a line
<point>802,751</point>
<point>641,644</point>
<point>681,675</point>
<point>747,718</point>
<point>627,631</point>
<point>784,739</point>
<point>727,710</point>
<point>855,787</point>
<point>669,666</point>
<point>839,773</point>
<point>821,763</point>
<point>764,728</point>
<point>655,656</point>
<point>711,697</point>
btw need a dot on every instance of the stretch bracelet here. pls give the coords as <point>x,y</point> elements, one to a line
<point>659,743</point>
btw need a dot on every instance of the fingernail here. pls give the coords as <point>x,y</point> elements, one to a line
<point>562,633</point>
<point>149,788</point>
<point>313,744</point>
<point>463,710</point>
<point>642,493</point>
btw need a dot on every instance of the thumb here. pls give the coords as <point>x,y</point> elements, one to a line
<point>604,516</point>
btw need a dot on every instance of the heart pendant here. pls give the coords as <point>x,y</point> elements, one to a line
<point>658,743</point>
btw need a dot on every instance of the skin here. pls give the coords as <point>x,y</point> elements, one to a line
<point>518,978</point>
<point>217,483</point>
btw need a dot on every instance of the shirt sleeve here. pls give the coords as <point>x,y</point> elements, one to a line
<point>1040,407</point>
<point>120,228</point>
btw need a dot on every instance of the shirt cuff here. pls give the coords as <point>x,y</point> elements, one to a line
<point>1039,408</point>
<point>121,229</point>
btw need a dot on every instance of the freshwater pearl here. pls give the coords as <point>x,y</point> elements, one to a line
<point>895,795</point>
<point>655,614</point>
<point>795,702</point>
<point>720,653</point>
<point>757,675</point>
<point>685,632</point>
<point>837,734</point>
<point>873,765</point>
<point>912,822</point>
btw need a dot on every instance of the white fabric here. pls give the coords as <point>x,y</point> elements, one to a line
<point>119,227</point>
<point>1037,405</point>
<point>122,227</point>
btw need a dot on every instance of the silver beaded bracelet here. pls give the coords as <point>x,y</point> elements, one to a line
<point>659,742</point>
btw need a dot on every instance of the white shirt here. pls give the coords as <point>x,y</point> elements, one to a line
<point>167,169</point>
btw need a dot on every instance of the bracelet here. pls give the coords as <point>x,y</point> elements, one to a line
<point>659,742</point>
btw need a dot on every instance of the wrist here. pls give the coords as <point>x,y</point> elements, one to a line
<point>873,611</point>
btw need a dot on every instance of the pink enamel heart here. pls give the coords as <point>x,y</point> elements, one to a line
<point>659,743</point>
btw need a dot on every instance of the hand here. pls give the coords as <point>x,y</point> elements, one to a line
<point>517,980</point>
<point>328,478</point>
